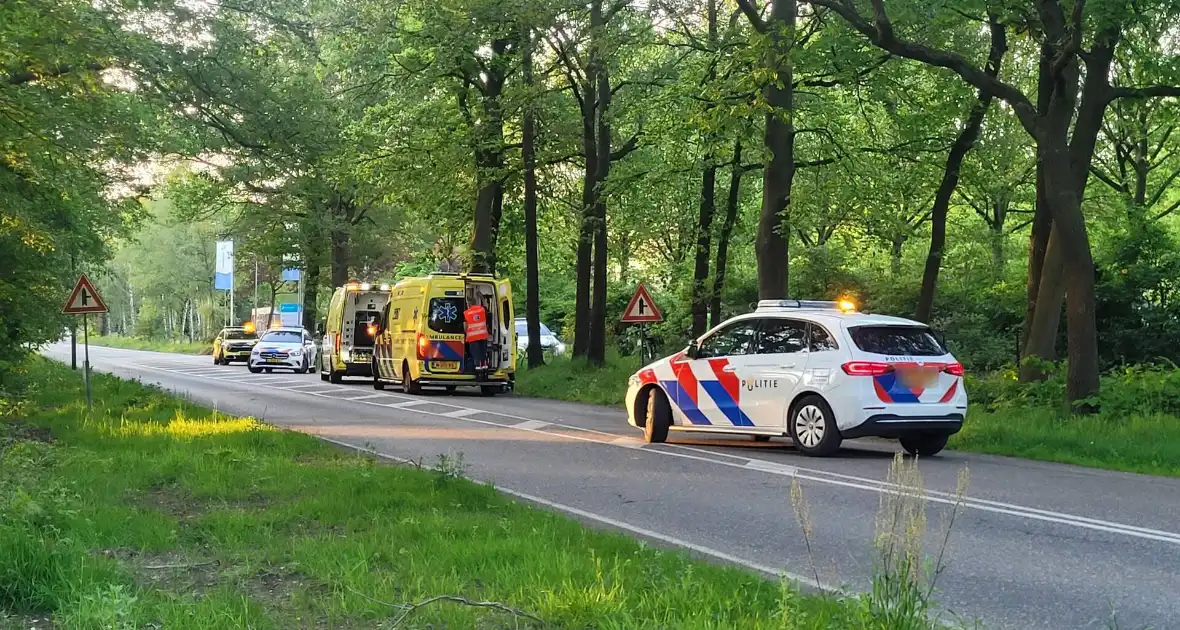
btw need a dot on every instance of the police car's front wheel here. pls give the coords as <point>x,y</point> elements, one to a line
<point>659,417</point>
<point>813,427</point>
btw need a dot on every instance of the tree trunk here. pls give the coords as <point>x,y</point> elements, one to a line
<point>950,175</point>
<point>536,356</point>
<point>732,202</point>
<point>1040,334</point>
<point>997,238</point>
<point>597,346</point>
<point>582,269</point>
<point>481,233</point>
<point>700,274</point>
<point>341,253</point>
<point>895,255</point>
<point>771,244</point>
<point>311,283</point>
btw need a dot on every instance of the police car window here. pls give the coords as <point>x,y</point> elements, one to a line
<point>782,336</point>
<point>445,315</point>
<point>913,341</point>
<point>736,339</point>
<point>820,340</point>
<point>283,336</point>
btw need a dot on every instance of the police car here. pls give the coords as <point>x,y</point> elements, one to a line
<point>818,372</point>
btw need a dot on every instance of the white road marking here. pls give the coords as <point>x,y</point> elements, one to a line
<point>530,425</point>
<point>368,397</point>
<point>462,412</point>
<point>629,442</point>
<point>765,466</point>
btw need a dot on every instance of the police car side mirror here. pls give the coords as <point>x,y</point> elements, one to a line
<point>693,350</point>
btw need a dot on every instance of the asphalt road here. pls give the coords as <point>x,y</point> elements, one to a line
<point>1035,546</point>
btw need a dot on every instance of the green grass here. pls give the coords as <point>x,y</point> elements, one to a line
<point>577,381</point>
<point>156,345</point>
<point>1141,443</point>
<point>1006,418</point>
<point>153,511</point>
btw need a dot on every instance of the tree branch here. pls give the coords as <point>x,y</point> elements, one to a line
<point>629,146</point>
<point>752,14</point>
<point>1108,180</point>
<point>880,33</point>
<point>1146,91</point>
<point>1159,193</point>
<point>28,76</point>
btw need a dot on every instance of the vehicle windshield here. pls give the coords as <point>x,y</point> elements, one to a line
<point>446,315</point>
<point>522,330</point>
<point>910,341</point>
<point>238,334</point>
<point>282,336</point>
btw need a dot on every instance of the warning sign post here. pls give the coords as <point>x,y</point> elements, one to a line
<point>84,300</point>
<point>642,309</point>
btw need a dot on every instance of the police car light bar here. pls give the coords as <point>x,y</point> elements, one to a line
<point>773,305</point>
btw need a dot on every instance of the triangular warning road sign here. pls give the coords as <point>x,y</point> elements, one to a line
<point>642,308</point>
<point>84,299</point>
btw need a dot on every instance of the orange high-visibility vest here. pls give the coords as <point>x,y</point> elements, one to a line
<point>477,323</point>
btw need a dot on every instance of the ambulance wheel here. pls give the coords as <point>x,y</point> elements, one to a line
<point>409,385</point>
<point>659,417</point>
<point>489,390</point>
<point>335,377</point>
<point>761,438</point>
<point>377,384</point>
<point>813,427</point>
<point>323,375</point>
<point>253,370</point>
<point>451,389</point>
<point>924,444</point>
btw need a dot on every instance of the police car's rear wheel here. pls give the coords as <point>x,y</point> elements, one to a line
<point>813,427</point>
<point>924,445</point>
<point>659,417</point>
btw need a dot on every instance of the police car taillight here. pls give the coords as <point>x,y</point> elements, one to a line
<point>866,368</point>
<point>954,369</point>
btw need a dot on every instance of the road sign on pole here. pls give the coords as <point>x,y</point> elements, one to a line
<point>84,300</point>
<point>642,309</point>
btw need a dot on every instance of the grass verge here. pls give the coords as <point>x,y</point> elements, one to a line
<point>155,345</point>
<point>152,512</point>
<point>1131,435</point>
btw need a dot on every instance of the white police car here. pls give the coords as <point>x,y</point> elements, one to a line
<point>818,372</point>
<point>287,348</point>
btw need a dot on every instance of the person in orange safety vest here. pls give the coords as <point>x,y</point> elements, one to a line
<point>475,319</point>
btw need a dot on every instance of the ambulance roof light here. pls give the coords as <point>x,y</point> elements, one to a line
<point>365,287</point>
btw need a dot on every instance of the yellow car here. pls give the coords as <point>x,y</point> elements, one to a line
<point>233,343</point>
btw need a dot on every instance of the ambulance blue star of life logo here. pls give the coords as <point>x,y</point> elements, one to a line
<point>446,312</point>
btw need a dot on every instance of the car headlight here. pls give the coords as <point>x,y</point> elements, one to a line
<point>297,352</point>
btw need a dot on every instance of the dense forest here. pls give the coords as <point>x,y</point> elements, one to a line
<point>1003,170</point>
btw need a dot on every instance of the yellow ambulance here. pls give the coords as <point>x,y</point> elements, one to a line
<point>420,336</point>
<point>349,330</point>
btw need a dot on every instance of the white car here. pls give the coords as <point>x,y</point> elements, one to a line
<point>549,341</point>
<point>817,372</point>
<point>284,349</point>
